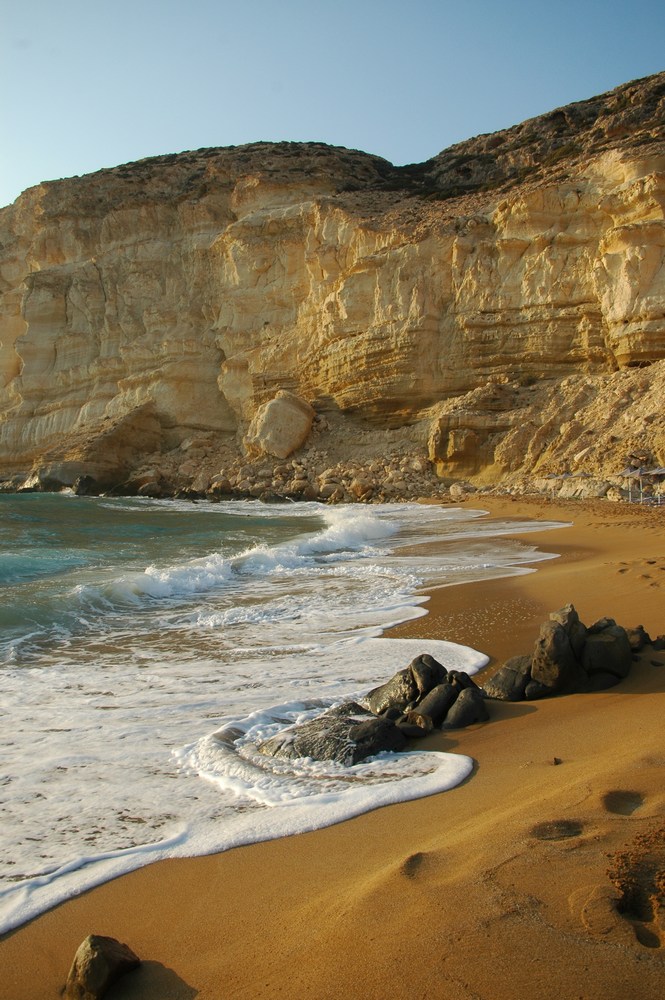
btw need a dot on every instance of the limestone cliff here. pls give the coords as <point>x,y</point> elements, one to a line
<point>477,312</point>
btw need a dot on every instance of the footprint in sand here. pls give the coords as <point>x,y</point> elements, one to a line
<point>631,908</point>
<point>625,567</point>
<point>600,915</point>
<point>622,803</point>
<point>638,873</point>
<point>411,866</point>
<point>557,829</point>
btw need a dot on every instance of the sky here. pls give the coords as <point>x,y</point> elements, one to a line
<point>87,84</point>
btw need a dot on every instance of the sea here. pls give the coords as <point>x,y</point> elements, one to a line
<point>148,647</point>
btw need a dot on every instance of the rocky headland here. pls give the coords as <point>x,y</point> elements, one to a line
<point>297,320</point>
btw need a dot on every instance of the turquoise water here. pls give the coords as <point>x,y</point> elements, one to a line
<point>60,556</point>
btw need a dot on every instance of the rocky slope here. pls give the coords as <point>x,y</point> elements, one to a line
<point>495,314</point>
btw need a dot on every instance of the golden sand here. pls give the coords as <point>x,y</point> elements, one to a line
<point>509,887</point>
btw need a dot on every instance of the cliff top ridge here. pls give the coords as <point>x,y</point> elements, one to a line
<point>538,149</point>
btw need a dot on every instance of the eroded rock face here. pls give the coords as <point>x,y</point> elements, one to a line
<point>489,298</point>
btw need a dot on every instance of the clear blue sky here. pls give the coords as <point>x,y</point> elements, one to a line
<point>88,84</point>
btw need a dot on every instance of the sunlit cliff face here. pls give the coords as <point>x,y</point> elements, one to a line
<point>179,295</point>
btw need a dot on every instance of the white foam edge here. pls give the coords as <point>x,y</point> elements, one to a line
<point>351,529</point>
<point>26,900</point>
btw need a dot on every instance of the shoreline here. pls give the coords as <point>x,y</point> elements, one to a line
<point>453,894</point>
<point>469,613</point>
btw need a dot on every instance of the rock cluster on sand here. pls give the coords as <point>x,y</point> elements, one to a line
<point>416,700</point>
<point>569,657</point>
<point>382,466</point>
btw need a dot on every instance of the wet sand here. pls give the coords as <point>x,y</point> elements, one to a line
<point>537,879</point>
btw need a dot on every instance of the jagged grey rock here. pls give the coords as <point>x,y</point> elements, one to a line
<point>554,663</point>
<point>576,631</point>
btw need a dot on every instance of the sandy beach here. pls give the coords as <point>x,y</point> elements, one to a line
<point>505,888</point>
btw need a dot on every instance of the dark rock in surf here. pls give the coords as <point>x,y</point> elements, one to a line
<point>461,680</point>
<point>424,687</point>
<point>346,734</point>
<point>399,692</point>
<point>415,725</point>
<point>86,486</point>
<point>427,673</point>
<point>407,687</point>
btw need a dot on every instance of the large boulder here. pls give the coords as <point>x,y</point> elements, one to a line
<point>607,651</point>
<point>399,692</point>
<point>468,708</point>
<point>427,673</point>
<point>437,703</point>
<point>510,681</point>
<point>346,734</point>
<point>553,663</point>
<point>98,963</point>
<point>280,426</point>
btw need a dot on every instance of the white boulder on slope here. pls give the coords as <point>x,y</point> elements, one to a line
<point>280,426</point>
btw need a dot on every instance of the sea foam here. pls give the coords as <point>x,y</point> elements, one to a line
<point>182,637</point>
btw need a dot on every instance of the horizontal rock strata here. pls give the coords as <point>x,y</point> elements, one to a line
<point>497,311</point>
